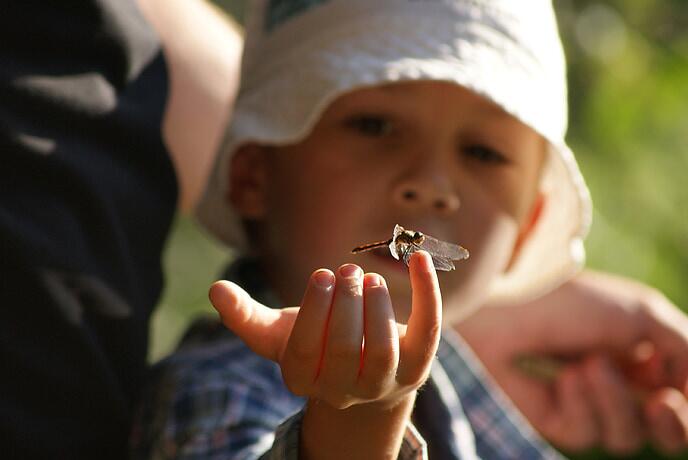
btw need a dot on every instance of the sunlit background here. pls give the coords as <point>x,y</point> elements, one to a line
<point>628,85</point>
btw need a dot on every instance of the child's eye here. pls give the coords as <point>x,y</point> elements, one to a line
<point>484,154</point>
<point>370,125</point>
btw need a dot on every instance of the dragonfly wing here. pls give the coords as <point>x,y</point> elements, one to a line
<point>406,251</point>
<point>443,250</point>
<point>442,263</point>
<point>393,249</point>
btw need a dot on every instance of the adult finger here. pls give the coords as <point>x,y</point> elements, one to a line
<point>381,347</point>
<point>574,425</point>
<point>619,414</point>
<point>419,344</point>
<point>666,411</point>
<point>667,329</point>
<point>264,330</point>
<point>342,358</point>
<point>304,351</point>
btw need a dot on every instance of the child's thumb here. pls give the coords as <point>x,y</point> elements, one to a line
<point>263,329</point>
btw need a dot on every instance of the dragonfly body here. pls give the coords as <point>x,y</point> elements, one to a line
<point>405,242</point>
<point>409,237</point>
<point>404,238</point>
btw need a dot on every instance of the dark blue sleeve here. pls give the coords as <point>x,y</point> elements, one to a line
<point>87,195</point>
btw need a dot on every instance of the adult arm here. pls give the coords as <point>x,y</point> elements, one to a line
<point>202,47</point>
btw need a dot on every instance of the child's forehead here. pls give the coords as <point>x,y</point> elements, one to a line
<point>408,94</point>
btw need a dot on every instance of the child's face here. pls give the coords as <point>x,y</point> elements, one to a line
<point>429,156</point>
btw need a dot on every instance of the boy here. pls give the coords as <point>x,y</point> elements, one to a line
<point>445,117</point>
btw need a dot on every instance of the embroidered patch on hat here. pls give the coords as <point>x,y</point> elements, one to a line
<point>279,11</point>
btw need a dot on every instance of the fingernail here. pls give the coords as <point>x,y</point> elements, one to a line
<point>324,278</point>
<point>374,280</point>
<point>424,261</point>
<point>350,271</point>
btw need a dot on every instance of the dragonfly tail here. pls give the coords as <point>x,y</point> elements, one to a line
<point>369,246</point>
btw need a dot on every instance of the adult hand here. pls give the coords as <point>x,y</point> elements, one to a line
<point>621,350</point>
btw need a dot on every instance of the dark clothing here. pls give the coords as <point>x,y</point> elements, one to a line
<point>87,195</point>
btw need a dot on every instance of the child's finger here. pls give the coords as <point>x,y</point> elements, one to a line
<point>304,351</point>
<point>419,344</point>
<point>381,348</point>
<point>264,330</point>
<point>342,357</point>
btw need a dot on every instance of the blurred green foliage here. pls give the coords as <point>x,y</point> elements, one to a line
<point>628,80</point>
<point>628,77</point>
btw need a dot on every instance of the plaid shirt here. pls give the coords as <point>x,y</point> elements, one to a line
<point>215,399</point>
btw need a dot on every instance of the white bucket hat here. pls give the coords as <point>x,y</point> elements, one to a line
<point>300,55</point>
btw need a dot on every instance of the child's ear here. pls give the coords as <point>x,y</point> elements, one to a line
<point>528,226</point>
<point>247,189</point>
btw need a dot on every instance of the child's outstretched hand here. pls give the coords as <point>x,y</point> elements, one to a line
<point>343,346</point>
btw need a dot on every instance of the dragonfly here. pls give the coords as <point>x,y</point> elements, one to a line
<point>405,242</point>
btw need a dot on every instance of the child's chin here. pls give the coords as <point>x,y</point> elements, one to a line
<point>453,314</point>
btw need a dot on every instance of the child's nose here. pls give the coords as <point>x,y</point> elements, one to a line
<point>428,194</point>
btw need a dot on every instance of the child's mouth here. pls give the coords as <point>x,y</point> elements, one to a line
<point>390,263</point>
